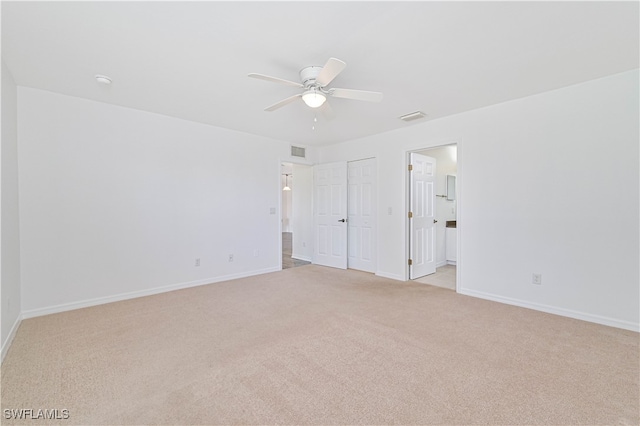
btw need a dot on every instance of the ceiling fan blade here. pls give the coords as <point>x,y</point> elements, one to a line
<point>359,95</point>
<point>283,102</point>
<point>331,69</point>
<point>275,79</point>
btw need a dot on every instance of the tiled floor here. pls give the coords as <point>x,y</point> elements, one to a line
<point>287,260</point>
<point>445,277</point>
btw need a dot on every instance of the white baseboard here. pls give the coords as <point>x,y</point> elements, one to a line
<point>598,319</point>
<point>305,258</point>
<point>141,293</point>
<point>390,276</point>
<point>12,333</point>
<point>451,262</point>
<point>442,263</point>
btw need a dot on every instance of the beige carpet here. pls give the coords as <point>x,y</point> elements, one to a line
<point>314,345</point>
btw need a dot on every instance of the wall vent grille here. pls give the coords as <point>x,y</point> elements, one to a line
<point>298,151</point>
<point>413,116</point>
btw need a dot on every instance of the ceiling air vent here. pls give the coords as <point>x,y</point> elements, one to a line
<point>298,151</point>
<point>413,116</point>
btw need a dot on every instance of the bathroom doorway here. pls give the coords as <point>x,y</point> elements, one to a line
<point>444,250</point>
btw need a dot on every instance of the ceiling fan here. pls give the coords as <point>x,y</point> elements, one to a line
<point>314,81</point>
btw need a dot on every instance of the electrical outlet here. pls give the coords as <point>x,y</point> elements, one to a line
<point>197,262</point>
<point>231,258</point>
<point>536,279</point>
<point>304,244</point>
<point>256,253</point>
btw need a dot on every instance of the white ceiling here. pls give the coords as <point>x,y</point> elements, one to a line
<point>191,59</point>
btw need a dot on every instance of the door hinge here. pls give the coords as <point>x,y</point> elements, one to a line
<point>410,215</point>
<point>410,167</point>
<point>410,262</point>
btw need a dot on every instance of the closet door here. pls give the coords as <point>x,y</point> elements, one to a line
<point>330,214</point>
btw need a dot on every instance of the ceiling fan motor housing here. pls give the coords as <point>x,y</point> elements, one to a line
<point>308,75</point>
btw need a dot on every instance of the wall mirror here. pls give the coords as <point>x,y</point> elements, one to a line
<point>451,187</point>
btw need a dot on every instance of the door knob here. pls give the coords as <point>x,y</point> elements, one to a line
<point>435,221</point>
<point>342,220</point>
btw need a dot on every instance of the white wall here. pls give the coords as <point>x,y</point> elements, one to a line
<point>534,177</point>
<point>302,211</point>
<point>446,164</point>
<point>10,229</point>
<point>117,202</point>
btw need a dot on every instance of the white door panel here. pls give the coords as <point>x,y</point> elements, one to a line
<point>422,221</point>
<point>362,215</point>
<point>330,215</point>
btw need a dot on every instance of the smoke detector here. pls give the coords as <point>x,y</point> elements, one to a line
<point>103,79</point>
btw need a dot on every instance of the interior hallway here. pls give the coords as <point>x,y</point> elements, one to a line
<point>287,260</point>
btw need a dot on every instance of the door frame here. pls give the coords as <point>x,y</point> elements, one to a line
<point>459,204</point>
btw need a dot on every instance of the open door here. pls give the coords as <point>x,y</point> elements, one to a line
<point>330,215</point>
<point>422,244</point>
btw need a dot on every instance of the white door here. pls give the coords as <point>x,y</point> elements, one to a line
<point>330,215</point>
<point>422,244</point>
<point>362,215</point>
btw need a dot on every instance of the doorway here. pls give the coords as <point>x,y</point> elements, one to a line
<point>442,220</point>
<point>296,210</point>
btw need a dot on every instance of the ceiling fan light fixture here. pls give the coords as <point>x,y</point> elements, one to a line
<point>313,98</point>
